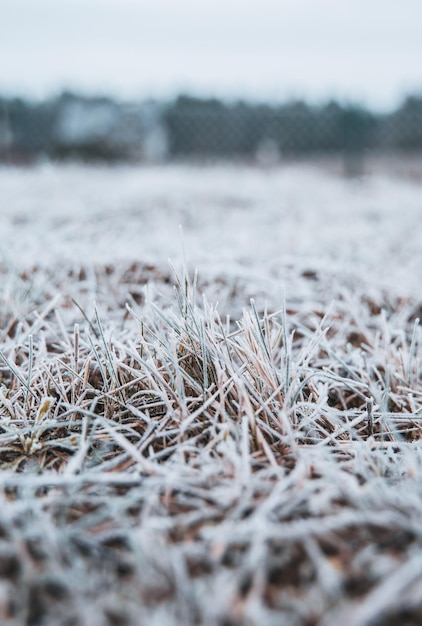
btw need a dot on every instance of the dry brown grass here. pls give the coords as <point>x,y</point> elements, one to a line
<point>162,464</point>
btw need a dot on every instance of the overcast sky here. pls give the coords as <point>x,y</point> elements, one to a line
<point>368,51</point>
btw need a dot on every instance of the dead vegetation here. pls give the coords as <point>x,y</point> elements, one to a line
<point>164,464</point>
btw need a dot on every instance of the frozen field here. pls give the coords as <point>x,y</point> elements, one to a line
<point>265,228</point>
<point>172,460</point>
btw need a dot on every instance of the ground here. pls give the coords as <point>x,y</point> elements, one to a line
<point>210,396</point>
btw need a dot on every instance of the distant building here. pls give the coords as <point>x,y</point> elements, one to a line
<point>104,128</point>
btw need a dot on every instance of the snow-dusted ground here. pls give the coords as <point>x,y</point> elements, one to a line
<point>178,471</point>
<point>263,228</point>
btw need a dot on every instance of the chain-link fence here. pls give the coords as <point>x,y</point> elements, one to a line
<point>187,128</point>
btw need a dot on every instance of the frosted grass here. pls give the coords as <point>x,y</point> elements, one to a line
<point>167,459</point>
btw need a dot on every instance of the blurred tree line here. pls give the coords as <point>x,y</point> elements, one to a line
<point>73,126</point>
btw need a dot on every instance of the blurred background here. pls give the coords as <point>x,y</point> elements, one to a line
<point>157,81</point>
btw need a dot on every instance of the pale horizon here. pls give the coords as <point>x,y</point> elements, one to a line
<point>364,52</point>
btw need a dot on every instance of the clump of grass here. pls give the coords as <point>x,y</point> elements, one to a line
<point>163,464</point>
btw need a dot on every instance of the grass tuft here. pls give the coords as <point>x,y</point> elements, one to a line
<point>161,465</point>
